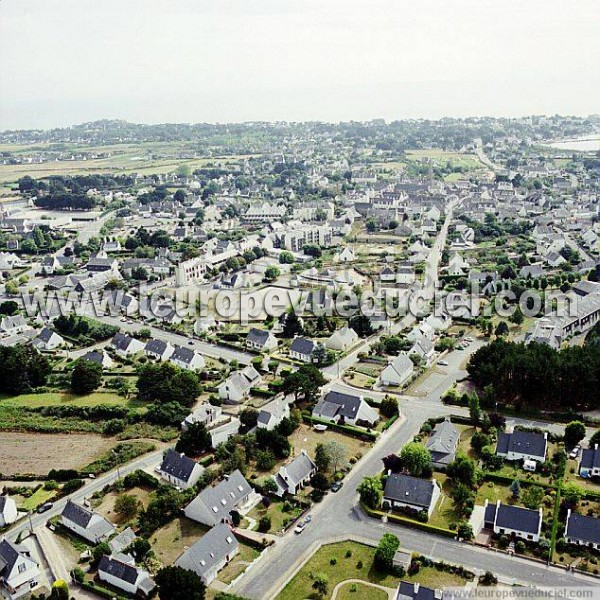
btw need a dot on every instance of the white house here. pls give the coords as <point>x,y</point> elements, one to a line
<point>519,522</point>
<point>124,575</point>
<point>186,358</point>
<point>125,345</point>
<point>302,349</point>
<point>14,325</point>
<point>582,530</point>
<point>222,431</point>
<point>295,475</point>
<point>19,573</point>
<point>345,256</point>
<point>238,385</point>
<point>179,470</point>
<point>273,413</point>
<point>590,462</point>
<point>210,553</point>
<point>406,492</point>
<point>522,445</point>
<point>85,523</point>
<point>342,339</point>
<point>158,349</point>
<point>48,340</point>
<point>8,511</point>
<point>206,413</point>
<point>347,409</point>
<point>398,372</point>
<point>261,340</point>
<point>99,357</point>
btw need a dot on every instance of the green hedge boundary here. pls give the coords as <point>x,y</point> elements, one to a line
<point>100,591</point>
<point>353,431</point>
<point>491,476</point>
<point>378,514</point>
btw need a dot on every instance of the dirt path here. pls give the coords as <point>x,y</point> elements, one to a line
<point>389,591</point>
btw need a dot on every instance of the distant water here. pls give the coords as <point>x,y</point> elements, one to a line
<point>585,144</point>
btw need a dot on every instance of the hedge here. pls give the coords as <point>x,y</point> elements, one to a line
<point>100,591</point>
<point>490,476</point>
<point>353,431</point>
<point>255,391</point>
<point>377,514</point>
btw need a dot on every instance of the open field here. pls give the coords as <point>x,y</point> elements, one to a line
<point>38,453</point>
<point>107,507</point>
<point>307,438</point>
<point>66,399</point>
<point>169,541</point>
<point>359,565</point>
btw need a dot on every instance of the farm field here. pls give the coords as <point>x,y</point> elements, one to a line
<point>38,453</point>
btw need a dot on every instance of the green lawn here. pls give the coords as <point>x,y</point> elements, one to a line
<point>493,492</point>
<point>168,542</point>
<point>356,591</point>
<point>36,499</point>
<point>359,565</point>
<point>278,517</point>
<point>239,563</point>
<point>444,513</point>
<point>66,399</point>
<point>585,484</point>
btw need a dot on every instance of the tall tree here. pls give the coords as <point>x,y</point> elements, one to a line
<point>175,583</point>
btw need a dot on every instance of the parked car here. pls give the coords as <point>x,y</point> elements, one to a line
<point>336,486</point>
<point>45,507</point>
<point>308,519</point>
<point>299,528</point>
<point>442,363</point>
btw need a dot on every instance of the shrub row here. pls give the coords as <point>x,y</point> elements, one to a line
<point>377,514</point>
<point>353,431</point>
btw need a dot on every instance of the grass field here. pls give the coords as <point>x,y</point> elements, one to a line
<point>355,591</point>
<point>107,507</point>
<point>278,517</point>
<point>239,563</point>
<point>307,438</point>
<point>168,542</point>
<point>36,499</point>
<point>359,565</point>
<point>64,399</point>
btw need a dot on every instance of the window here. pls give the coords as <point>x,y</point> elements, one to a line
<point>22,567</point>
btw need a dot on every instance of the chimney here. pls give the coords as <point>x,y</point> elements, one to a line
<point>416,588</point>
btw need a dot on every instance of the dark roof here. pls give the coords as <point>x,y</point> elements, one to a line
<point>258,336</point>
<point>121,341</point>
<point>414,591</point>
<point>590,458</point>
<point>302,346</point>
<point>45,334</point>
<point>77,514</point>
<point>586,529</point>
<point>184,355</point>
<point>514,517</point>
<point>410,490</point>
<point>156,346</point>
<point>177,465</point>
<point>524,442</point>
<point>94,356</point>
<point>118,569</point>
<point>9,553</point>
<point>348,404</point>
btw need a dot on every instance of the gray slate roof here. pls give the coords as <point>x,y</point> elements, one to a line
<point>118,569</point>
<point>586,529</point>
<point>411,490</point>
<point>590,458</point>
<point>177,465</point>
<point>337,403</point>
<point>302,346</point>
<point>525,442</point>
<point>513,517</point>
<point>413,591</point>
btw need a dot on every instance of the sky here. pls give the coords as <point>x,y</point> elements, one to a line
<point>152,61</point>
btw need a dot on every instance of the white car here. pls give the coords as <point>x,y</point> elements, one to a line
<point>299,528</point>
<point>442,363</point>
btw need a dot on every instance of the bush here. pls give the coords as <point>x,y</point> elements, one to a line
<point>264,524</point>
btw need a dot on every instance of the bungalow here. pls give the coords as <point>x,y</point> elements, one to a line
<point>415,591</point>
<point>406,492</point>
<point>99,357</point>
<point>221,432</point>
<point>590,462</point>
<point>405,275</point>
<point>206,414</point>
<point>125,345</point>
<point>531,271</point>
<point>398,371</point>
<point>554,259</point>
<point>295,475</point>
<point>111,246</point>
<point>98,264</point>
<point>582,530</point>
<point>515,521</point>
<point>85,523</point>
<point>346,255</point>
<point>423,348</point>
<point>158,349</point>
<point>387,275</point>
<point>214,505</point>
<point>442,444</point>
<point>47,340</point>
<point>261,340</point>
<point>210,553</point>
<point>124,575</point>
<point>345,409</point>
<point>18,571</point>
<point>238,385</point>
<point>342,339</point>
<point>273,413</point>
<point>179,470</point>
<point>125,303</point>
<point>302,349</point>
<point>8,511</point>
<point>522,445</point>
<point>14,325</point>
<point>188,359</point>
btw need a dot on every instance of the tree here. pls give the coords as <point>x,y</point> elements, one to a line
<point>321,457</point>
<point>176,583</point>
<point>265,460</point>
<point>371,491</point>
<point>194,440</point>
<point>272,273</point>
<point>389,407</point>
<point>416,459</point>
<point>60,590</point>
<point>127,506</point>
<point>462,469</point>
<point>362,325</point>
<point>595,439</point>
<point>319,481</point>
<point>571,494</point>
<point>474,409</point>
<point>248,417</point>
<point>264,524</point>
<point>479,440</point>
<point>305,383</point>
<point>517,317</point>
<point>385,552</point>
<point>9,308</point>
<point>336,452</point>
<point>141,548</point>
<point>292,325</point>
<point>532,496</point>
<point>515,488</point>
<point>100,550</point>
<point>501,329</point>
<point>460,495</point>
<point>286,258</point>
<point>86,377</point>
<point>320,583</point>
<point>465,531</point>
<point>574,433</point>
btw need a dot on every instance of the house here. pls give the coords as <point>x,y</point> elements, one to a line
<point>442,444</point>
<point>125,345</point>
<point>85,523</point>
<point>18,571</point>
<point>423,348</point>
<point>405,275</point>
<point>345,256</point>
<point>186,358</point>
<point>179,470</point>
<point>554,259</point>
<point>582,530</point>
<point>206,413</point>
<point>406,492</point>
<point>273,413</point>
<point>345,409</point>
<point>342,339</point>
<point>302,349</point>
<point>214,505</point>
<point>415,591</point>
<point>387,275</point>
<point>111,246</point>
<point>261,340</point>
<point>8,511</point>
<point>124,575</point>
<point>210,553</point>
<point>221,432</point>
<point>122,541</point>
<point>158,349</point>
<point>398,372</point>
<point>238,385</point>
<point>531,271</point>
<point>14,325</point>
<point>295,475</point>
<point>522,445</point>
<point>47,340</point>
<point>99,357</point>
<point>589,465</point>
<point>122,302</point>
<point>515,521</point>
<point>99,264</point>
